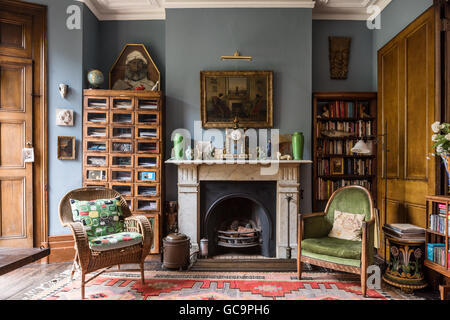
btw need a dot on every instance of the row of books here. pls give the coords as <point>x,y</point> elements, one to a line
<point>341,109</point>
<point>351,167</point>
<point>325,188</point>
<point>437,222</point>
<point>360,128</point>
<point>436,253</point>
<point>339,147</point>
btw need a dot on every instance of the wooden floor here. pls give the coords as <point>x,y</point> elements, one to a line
<point>19,281</point>
<point>15,284</point>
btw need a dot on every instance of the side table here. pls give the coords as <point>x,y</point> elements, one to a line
<point>404,265</point>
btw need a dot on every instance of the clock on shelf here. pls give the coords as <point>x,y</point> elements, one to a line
<point>235,142</point>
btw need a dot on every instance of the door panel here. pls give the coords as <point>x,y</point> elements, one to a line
<point>390,74</point>
<point>406,84</point>
<point>15,34</point>
<point>12,89</point>
<point>12,194</point>
<point>417,104</point>
<point>12,138</point>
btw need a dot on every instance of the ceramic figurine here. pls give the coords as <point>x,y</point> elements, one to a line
<point>178,146</point>
<point>189,153</point>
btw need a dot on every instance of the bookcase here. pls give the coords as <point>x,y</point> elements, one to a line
<point>123,147</point>
<point>340,120</point>
<point>437,234</point>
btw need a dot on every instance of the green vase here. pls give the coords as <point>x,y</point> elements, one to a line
<point>178,146</point>
<point>297,145</point>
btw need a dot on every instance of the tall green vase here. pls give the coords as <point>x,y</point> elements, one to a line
<point>298,141</point>
<point>178,146</point>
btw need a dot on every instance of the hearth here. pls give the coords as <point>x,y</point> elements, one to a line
<point>238,217</point>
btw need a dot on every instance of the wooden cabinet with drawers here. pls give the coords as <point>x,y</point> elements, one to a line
<point>123,148</point>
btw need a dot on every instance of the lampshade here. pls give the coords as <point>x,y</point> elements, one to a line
<point>361,147</point>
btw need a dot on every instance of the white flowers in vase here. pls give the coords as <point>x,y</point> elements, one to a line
<point>441,137</point>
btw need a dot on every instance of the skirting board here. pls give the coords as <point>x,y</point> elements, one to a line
<point>61,248</point>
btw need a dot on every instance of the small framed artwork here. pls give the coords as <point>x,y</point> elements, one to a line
<point>66,148</point>
<point>148,176</point>
<point>337,166</point>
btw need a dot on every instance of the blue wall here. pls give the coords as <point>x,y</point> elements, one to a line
<point>91,38</point>
<point>195,40</point>
<point>394,18</point>
<point>65,58</point>
<point>360,63</point>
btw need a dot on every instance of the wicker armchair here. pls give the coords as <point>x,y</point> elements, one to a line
<point>316,248</point>
<point>89,260</point>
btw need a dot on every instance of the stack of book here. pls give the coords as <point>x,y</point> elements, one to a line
<point>436,253</point>
<point>342,109</point>
<point>404,231</point>
<point>438,221</point>
<point>326,188</point>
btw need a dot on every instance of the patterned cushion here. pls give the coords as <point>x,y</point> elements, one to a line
<point>347,226</point>
<point>115,241</point>
<point>100,217</point>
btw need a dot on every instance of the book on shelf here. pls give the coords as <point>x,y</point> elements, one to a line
<point>361,167</point>
<point>436,253</point>
<point>341,109</point>
<point>325,188</point>
<point>360,128</point>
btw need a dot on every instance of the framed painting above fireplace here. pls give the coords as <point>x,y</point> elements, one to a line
<point>247,95</point>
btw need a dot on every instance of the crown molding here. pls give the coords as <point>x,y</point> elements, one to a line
<point>239,4</point>
<point>347,10</point>
<point>156,9</point>
<point>126,13</point>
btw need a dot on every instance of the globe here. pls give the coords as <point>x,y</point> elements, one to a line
<point>95,78</point>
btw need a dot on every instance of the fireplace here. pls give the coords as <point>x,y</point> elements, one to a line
<point>238,217</point>
<point>204,186</point>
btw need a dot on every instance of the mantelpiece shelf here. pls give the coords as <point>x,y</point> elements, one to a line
<point>123,147</point>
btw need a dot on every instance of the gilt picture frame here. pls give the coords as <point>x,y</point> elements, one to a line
<point>66,148</point>
<point>247,95</point>
<point>337,166</point>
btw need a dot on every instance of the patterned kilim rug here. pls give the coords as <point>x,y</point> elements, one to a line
<point>174,285</point>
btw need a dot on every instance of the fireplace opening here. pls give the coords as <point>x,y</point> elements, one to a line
<point>238,217</point>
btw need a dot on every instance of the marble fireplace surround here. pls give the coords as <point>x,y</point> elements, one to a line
<point>287,177</point>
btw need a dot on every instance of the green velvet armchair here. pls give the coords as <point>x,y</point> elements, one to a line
<point>316,248</point>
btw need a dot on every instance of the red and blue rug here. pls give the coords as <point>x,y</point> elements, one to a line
<point>170,285</point>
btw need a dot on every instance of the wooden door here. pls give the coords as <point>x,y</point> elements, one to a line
<point>16,130</point>
<point>406,110</point>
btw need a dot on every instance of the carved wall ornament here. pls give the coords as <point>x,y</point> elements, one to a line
<point>339,53</point>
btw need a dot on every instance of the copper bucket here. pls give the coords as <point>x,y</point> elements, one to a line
<point>176,248</point>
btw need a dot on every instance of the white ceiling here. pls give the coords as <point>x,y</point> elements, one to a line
<point>155,9</point>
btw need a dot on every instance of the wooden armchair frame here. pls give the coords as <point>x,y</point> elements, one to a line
<point>89,260</point>
<point>362,271</point>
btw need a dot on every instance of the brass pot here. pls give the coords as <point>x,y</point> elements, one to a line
<point>176,249</point>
